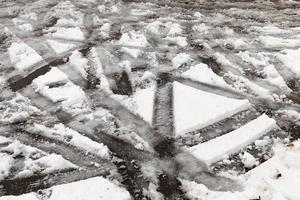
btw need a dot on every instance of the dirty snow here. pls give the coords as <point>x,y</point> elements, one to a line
<point>195,109</point>
<point>234,141</point>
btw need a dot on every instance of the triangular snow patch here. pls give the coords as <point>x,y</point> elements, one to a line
<point>195,109</point>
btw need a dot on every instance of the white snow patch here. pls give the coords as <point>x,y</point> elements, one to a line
<point>275,42</point>
<point>133,39</point>
<point>180,59</point>
<point>79,62</point>
<point>218,148</point>
<point>73,33</point>
<point>97,188</point>
<point>60,47</point>
<point>72,97</point>
<point>291,59</point>
<point>195,109</point>
<point>22,56</point>
<point>248,160</point>
<point>202,73</point>
<point>144,99</point>
<point>65,134</point>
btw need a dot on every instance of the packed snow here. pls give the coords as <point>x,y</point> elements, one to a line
<point>35,161</point>
<point>195,109</point>
<point>23,56</point>
<point>65,134</point>
<point>71,96</point>
<point>291,59</point>
<point>202,73</point>
<point>60,47</point>
<point>234,141</point>
<point>144,99</point>
<point>97,188</point>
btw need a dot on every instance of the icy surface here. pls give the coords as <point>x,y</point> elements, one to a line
<point>216,149</point>
<point>195,109</point>
<point>291,59</point>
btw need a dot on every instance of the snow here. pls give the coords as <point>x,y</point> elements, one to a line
<point>45,165</point>
<point>72,97</point>
<point>275,42</point>
<point>179,40</point>
<point>60,47</point>
<point>22,56</point>
<point>291,59</point>
<point>16,109</point>
<point>22,25</point>
<point>248,160</point>
<point>65,134</point>
<point>73,33</point>
<point>195,109</point>
<point>35,161</point>
<point>53,76</point>
<point>133,39</point>
<point>144,99</point>
<point>79,63</point>
<point>97,188</point>
<point>181,59</point>
<point>262,61</point>
<point>202,73</point>
<point>234,141</point>
<point>270,29</point>
<point>201,28</point>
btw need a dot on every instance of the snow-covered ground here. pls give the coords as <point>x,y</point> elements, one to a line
<point>120,82</point>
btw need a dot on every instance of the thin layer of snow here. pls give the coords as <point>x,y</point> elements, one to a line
<point>195,109</point>
<point>97,188</point>
<point>218,148</point>
<point>204,74</point>
<point>60,47</point>
<point>181,59</point>
<point>65,134</point>
<point>144,99</point>
<point>22,56</point>
<point>291,59</point>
